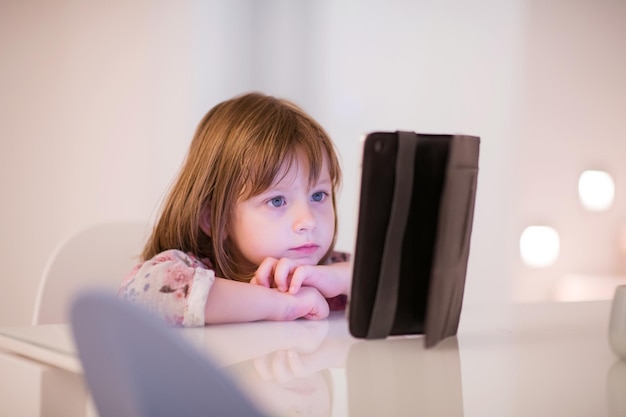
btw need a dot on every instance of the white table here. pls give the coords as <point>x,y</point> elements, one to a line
<point>39,373</point>
<point>524,360</point>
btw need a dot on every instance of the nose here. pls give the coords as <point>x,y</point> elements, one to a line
<point>304,219</point>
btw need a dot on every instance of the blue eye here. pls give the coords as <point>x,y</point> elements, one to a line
<point>277,202</point>
<point>319,196</point>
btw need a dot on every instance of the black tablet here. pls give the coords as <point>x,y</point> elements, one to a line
<point>413,235</point>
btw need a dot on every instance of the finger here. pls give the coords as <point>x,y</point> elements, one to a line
<point>282,273</point>
<point>319,313</point>
<point>265,272</point>
<point>315,316</point>
<point>298,277</point>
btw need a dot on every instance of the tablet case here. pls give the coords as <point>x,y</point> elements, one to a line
<point>413,235</point>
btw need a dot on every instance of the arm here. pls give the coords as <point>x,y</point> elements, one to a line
<point>181,290</point>
<point>172,285</point>
<point>232,301</point>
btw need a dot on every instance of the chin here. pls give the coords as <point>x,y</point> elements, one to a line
<point>307,260</point>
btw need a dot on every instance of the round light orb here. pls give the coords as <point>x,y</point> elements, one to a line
<point>539,246</point>
<point>596,190</point>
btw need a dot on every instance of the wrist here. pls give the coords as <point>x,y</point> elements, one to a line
<point>281,306</point>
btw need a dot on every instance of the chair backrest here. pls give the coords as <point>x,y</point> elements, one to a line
<point>136,366</point>
<point>98,256</point>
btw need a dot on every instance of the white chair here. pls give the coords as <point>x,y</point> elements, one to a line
<point>135,366</point>
<point>98,256</point>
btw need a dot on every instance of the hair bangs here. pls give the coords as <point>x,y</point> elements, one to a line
<point>269,161</point>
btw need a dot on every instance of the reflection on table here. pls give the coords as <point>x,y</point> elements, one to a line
<point>535,359</point>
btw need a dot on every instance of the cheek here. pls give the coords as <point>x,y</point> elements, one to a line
<point>250,237</point>
<point>328,216</point>
<point>257,245</point>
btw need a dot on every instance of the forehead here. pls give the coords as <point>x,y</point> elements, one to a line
<point>297,166</point>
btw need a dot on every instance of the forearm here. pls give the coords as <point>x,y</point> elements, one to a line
<point>233,302</point>
<point>331,280</point>
<point>343,275</point>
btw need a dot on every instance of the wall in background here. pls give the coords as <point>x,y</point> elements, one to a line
<point>571,120</point>
<point>434,68</point>
<point>99,101</point>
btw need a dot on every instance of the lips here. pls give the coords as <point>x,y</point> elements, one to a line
<point>306,249</point>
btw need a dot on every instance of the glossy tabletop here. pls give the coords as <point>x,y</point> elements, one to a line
<point>509,360</point>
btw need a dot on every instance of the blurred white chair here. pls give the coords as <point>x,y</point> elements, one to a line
<point>136,366</point>
<point>98,256</point>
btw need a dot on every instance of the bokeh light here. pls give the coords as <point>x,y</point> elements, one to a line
<point>539,246</point>
<point>596,190</point>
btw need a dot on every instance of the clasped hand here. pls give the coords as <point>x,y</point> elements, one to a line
<point>287,275</point>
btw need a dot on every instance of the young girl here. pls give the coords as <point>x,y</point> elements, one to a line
<point>248,229</point>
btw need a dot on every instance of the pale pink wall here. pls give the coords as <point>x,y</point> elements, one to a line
<point>571,119</point>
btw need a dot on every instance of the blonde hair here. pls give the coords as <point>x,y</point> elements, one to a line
<point>236,153</point>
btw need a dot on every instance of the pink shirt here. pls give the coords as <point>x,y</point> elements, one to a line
<point>175,285</point>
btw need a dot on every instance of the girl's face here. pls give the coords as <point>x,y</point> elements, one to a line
<point>288,220</point>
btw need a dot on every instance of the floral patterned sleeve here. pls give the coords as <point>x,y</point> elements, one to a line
<point>173,284</point>
<point>339,302</point>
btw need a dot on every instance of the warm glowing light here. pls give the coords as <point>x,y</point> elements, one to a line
<point>596,190</point>
<point>539,246</point>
